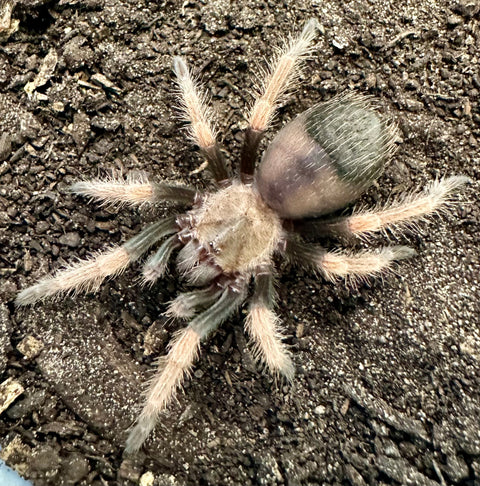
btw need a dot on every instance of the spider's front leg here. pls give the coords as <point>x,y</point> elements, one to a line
<point>178,363</point>
<point>262,325</point>
<point>194,107</point>
<point>134,192</point>
<point>281,74</point>
<point>88,274</point>
<point>436,198</point>
<point>335,265</point>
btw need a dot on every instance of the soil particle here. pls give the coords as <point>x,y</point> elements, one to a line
<point>34,400</point>
<point>77,54</point>
<point>379,409</point>
<point>456,468</point>
<point>75,467</point>
<point>467,8</point>
<point>71,239</point>
<point>130,470</point>
<point>401,471</point>
<point>45,458</point>
<point>5,332</point>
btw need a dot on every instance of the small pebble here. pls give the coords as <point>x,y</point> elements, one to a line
<point>147,479</point>
<point>30,347</point>
<point>70,239</point>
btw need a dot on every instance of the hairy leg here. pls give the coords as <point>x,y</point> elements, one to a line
<point>178,363</point>
<point>335,265</point>
<point>281,74</point>
<point>361,265</point>
<point>185,305</point>
<point>156,266</point>
<point>194,107</point>
<point>133,191</point>
<point>436,198</point>
<point>87,275</point>
<point>262,325</point>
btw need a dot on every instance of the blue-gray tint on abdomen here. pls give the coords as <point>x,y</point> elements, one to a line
<point>323,159</point>
<point>352,136</point>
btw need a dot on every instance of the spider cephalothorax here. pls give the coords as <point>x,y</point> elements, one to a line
<point>318,163</point>
<point>237,229</point>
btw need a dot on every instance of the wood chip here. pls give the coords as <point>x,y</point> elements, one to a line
<point>9,391</point>
<point>103,81</point>
<point>8,26</point>
<point>30,347</point>
<point>44,74</point>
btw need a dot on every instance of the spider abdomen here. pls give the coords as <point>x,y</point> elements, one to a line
<point>325,158</point>
<point>237,228</point>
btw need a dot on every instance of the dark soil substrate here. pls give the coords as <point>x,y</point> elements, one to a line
<point>388,375</point>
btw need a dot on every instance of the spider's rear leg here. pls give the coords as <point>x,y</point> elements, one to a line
<point>335,265</point>
<point>133,192</point>
<point>178,363</point>
<point>436,198</point>
<point>262,326</point>
<point>202,132</point>
<point>88,274</point>
<point>281,75</point>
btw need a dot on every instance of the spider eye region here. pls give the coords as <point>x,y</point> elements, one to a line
<point>237,228</point>
<point>325,158</point>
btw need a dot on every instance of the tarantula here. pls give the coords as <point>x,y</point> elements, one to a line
<point>317,164</point>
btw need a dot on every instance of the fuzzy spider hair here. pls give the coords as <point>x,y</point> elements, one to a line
<point>318,163</point>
